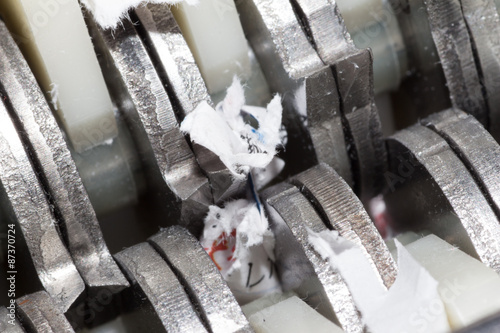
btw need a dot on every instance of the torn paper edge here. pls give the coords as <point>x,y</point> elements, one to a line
<point>109,13</point>
<point>238,239</point>
<point>224,132</point>
<point>384,311</point>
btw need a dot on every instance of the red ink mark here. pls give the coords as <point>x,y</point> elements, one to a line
<point>221,244</point>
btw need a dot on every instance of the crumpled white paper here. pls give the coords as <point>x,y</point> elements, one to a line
<point>239,241</point>
<point>412,304</point>
<point>224,131</point>
<point>108,13</point>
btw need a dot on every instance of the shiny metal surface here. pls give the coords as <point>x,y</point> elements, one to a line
<point>222,182</point>
<point>452,40</point>
<point>291,65</point>
<point>7,327</point>
<point>172,57</point>
<point>341,210</point>
<point>153,279</point>
<point>354,75</point>
<point>170,165</point>
<point>475,147</point>
<point>181,77</point>
<point>423,90</point>
<point>483,24</point>
<point>431,189</point>
<point>55,167</point>
<point>273,25</point>
<point>25,203</point>
<point>326,27</point>
<point>200,277</point>
<point>289,60</point>
<point>39,314</point>
<point>442,176</point>
<point>300,267</point>
<point>325,122</point>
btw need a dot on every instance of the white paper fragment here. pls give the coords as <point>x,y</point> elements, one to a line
<point>412,304</point>
<point>224,131</point>
<point>108,13</point>
<point>239,241</point>
<point>291,316</point>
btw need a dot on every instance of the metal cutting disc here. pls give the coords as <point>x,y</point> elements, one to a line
<point>483,23</point>
<point>200,276</point>
<point>341,210</point>
<point>39,314</point>
<point>453,43</point>
<point>25,204</point>
<point>181,77</point>
<point>353,71</point>
<point>56,168</point>
<point>429,188</point>
<point>326,26</point>
<point>154,279</point>
<point>293,68</point>
<point>475,147</point>
<point>354,76</point>
<point>172,169</point>
<point>300,267</point>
